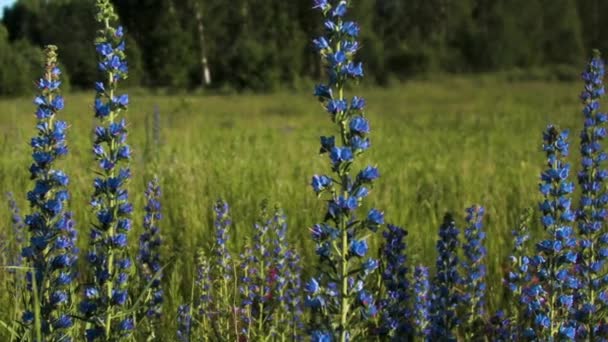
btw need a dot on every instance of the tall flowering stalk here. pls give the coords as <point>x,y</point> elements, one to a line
<point>293,298</point>
<point>51,253</point>
<point>222,269</point>
<point>252,281</point>
<point>518,275</point>
<point>204,299</point>
<point>284,281</point>
<point>475,272</point>
<point>18,236</point>
<point>184,323</point>
<point>107,296</point>
<point>594,199</point>
<point>422,303</point>
<point>341,243</point>
<point>262,264</point>
<point>445,297</point>
<point>550,301</point>
<point>149,265</point>
<point>394,305</point>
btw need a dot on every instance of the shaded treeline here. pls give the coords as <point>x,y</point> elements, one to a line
<point>264,44</point>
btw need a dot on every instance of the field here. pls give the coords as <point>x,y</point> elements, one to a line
<point>441,145</point>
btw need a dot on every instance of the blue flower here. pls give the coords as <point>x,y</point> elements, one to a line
<point>321,44</point>
<point>322,91</point>
<point>340,10</point>
<point>110,234</point>
<point>445,296</point>
<point>336,106</point>
<point>341,246</point>
<point>591,178</point>
<point>395,280</point>
<point>422,302</point>
<point>368,174</point>
<point>184,323</point>
<point>552,264</point>
<point>340,154</point>
<point>350,28</point>
<point>321,4</point>
<point>51,254</point>
<point>321,336</point>
<point>359,125</point>
<point>474,269</point>
<point>358,247</point>
<point>357,103</point>
<point>320,183</point>
<point>375,217</point>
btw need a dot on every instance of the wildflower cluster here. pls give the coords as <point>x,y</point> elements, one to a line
<point>284,281</point>
<point>518,275</point>
<point>556,290</point>
<point>255,286</point>
<point>422,302</point>
<point>395,278</point>
<point>594,199</point>
<point>107,296</point>
<point>550,301</point>
<point>18,230</point>
<point>445,298</point>
<point>149,259</point>
<point>340,288</point>
<point>474,272</point>
<point>51,253</point>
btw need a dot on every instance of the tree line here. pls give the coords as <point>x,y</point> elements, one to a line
<point>263,44</point>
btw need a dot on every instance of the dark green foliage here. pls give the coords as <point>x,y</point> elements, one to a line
<point>20,62</point>
<point>264,44</point>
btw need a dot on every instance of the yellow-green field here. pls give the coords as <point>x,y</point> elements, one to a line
<point>441,145</point>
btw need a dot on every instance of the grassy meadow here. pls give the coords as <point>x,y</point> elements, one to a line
<point>440,144</point>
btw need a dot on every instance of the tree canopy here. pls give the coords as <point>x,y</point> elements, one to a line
<point>263,44</point>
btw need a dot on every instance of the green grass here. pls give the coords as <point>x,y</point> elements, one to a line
<point>441,145</point>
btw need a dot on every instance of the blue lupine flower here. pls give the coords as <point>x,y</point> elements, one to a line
<point>18,229</point>
<point>109,260</point>
<point>51,253</point>
<point>184,323</point>
<point>321,44</point>
<point>359,125</point>
<point>321,336</point>
<point>445,297</point>
<point>422,302</point>
<point>474,270</point>
<point>375,217</point>
<point>335,107</point>
<point>149,259</point>
<point>322,4</point>
<point>395,279</point>
<point>320,183</point>
<point>519,273</point>
<point>359,248</point>
<point>357,103</point>
<point>284,282</point>
<point>204,287</point>
<point>368,174</point>
<point>222,223</point>
<point>591,214</point>
<point>339,155</point>
<point>339,290</point>
<point>222,267</point>
<point>260,273</point>
<point>555,256</point>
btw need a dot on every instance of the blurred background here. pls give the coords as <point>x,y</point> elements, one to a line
<point>263,45</point>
